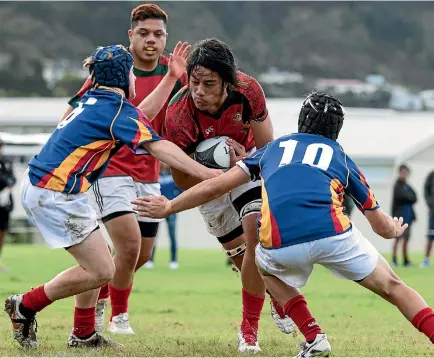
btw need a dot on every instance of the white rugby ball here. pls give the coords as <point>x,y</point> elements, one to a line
<point>214,153</point>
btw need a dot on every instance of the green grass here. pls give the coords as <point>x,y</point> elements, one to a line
<point>195,311</point>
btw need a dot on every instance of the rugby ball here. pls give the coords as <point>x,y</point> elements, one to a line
<point>214,153</point>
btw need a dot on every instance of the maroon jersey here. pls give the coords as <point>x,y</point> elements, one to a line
<point>144,168</point>
<point>186,126</point>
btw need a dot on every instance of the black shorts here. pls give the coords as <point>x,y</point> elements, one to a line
<point>4,219</point>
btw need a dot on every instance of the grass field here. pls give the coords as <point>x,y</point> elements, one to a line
<point>195,311</point>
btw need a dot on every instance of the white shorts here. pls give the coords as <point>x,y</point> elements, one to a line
<point>111,195</point>
<point>223,215</point>
<point>350,256</point>
<point>63,219</point>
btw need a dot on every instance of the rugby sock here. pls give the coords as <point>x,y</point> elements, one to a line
<point>119,300</point>
<point>252,307</point>
<point>84,322</point>
<point>297,309</point>
<point>424,322</point>
<point>277,306</point>
<point>103,293</point>
<point>34,300</point>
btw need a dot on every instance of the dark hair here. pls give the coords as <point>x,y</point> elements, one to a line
<point>404,167</point>
<point>147,11</point>
<point>321,114</point>
<point>216,56</point>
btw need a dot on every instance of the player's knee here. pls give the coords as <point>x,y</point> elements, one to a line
<point>144,257</point>
<point>391,286</point>
<point>128,253</point>
<point>104,274</point>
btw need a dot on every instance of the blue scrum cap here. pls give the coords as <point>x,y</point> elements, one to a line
<point>110,66</point>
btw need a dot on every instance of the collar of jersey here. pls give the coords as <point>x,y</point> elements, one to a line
<point>142,73</point>
<point>109,89</point>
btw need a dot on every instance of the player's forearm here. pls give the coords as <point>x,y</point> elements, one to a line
<point>210,189</point>
<point>172,155</point>
<point>196,196</point>
<point>381,223</point>
<point>155,101</point>
<point>262,132</point>
<point>183,180</point>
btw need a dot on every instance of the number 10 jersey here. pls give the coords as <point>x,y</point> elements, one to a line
<point>304,177</point>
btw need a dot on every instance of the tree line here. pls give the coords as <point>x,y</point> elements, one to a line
<point>317,39</point>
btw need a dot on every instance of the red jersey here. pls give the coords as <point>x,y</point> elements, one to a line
<point>143,168</point>
<point>186,126</point>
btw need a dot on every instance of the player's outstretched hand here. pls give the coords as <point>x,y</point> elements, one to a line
<point>399,226</point>
<point>157,207</point>
<point>178,59</point>
<point>237,151</point>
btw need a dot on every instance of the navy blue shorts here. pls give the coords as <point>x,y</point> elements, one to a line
<point>431,227</point>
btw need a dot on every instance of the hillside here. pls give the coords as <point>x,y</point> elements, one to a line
<point>318,39</point>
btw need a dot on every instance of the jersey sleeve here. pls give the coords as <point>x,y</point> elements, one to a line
<point>179,126</point>
<point>251,164</point>
<point>257,101</point>
<point>358,188</point>
<point>133,132</point>
<point>180,83</point>
<point>87,85</point>
<point>184,79</point>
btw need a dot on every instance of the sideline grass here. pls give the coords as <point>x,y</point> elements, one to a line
<point>195,311</point>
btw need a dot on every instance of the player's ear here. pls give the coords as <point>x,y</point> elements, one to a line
<point>130,34</point>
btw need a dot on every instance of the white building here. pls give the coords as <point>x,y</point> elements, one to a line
<point>377,140</point>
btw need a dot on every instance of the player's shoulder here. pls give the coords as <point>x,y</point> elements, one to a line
<point>102,103</point>
<point>314,139</point>
<point>248,86</point>
<point>164,61</point>
<point>181,99</point>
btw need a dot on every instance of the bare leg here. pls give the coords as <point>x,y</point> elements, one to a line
<point>95,268</point>
<point>405,251</point>
<point>125,234</point>
<point>237,260</point>
<point>2,242</point>
<point>250,277</point>
<point>281,292</point>
<point>146,248</point>
<point>395,251</point>
<point>428,248</point>
<point>385,283</point>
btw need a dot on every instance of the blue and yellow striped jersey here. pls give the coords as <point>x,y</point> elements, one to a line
<point>79,149</point>
<point>304,177</point>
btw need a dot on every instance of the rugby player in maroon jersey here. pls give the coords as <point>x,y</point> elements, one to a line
<point>221,101</point>
<point>157,79</point>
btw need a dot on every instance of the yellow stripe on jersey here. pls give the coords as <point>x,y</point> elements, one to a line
<point>104,157</point>
<point>145,134</point>
<point>60,175</point>
<point>338,209</point>
<point>265,233</point>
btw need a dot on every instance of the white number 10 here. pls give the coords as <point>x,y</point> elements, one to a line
<point>310,154</point>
